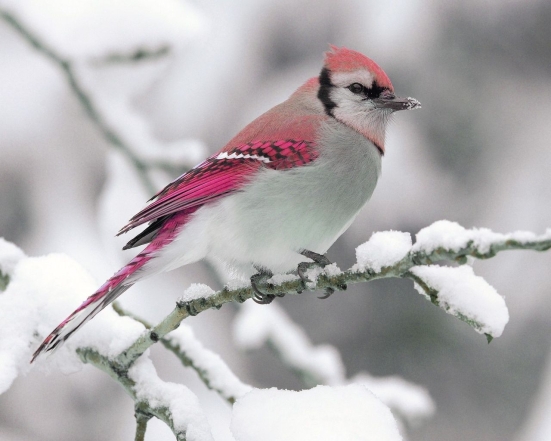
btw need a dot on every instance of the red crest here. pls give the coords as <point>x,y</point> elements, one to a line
<point>341,59</point>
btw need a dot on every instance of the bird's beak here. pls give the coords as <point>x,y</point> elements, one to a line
<point>389,101</point>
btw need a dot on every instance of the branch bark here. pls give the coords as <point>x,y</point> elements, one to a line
<point>142,418</point>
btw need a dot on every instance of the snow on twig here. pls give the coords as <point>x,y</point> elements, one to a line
<point>212,370</point>
<point>41,290</point>
<point>174,404</point>
<point>475,243</point>
<point>122,127</point>
<point>463,294</point>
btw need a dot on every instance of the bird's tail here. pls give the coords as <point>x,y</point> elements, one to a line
<point>107,293</point>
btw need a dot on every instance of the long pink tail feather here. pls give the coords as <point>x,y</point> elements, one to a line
<point>106,294</point>
<point>116,285</point>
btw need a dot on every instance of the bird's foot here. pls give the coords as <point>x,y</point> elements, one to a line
<point>258,280</point>
<point>321,261</point>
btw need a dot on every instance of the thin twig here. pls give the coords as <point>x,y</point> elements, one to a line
<point>207,377</point>
<point>4,281</point>
<point>94,358</point>
<point>142,418</point>
<point>85,99</point>
<point>139,55</point>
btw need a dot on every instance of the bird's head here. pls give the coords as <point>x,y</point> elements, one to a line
<point>358,93</point>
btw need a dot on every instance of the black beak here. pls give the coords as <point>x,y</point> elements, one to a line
<point>389,101</point>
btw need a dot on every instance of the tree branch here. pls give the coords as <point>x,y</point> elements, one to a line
<point>142,418</point>
<point>4,281</point>
<point>139,55</point>
<point>84,97</point>
<point>212,370</point>
<point>399,269</point>
<point>94,358</point>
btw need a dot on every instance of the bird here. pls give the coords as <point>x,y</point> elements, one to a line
<point>282,190</point>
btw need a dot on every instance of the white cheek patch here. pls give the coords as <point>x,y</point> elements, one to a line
<point>345,79</point>
<point>235,155</point>
<point>349,103</point>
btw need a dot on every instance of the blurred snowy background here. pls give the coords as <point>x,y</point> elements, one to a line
<point>176,79</point>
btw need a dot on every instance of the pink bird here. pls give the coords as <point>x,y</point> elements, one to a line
<point>284,188</point>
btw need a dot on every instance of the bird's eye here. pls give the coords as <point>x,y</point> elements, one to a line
<point>356,88</point>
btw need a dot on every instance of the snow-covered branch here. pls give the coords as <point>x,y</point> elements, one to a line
<point>39,290</point>
<point>385,255</point>
<point>174,404</point>
<point>212,370</point>
<point>124,129</point>
<point>87,102</point>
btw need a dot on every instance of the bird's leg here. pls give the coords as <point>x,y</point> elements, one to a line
<point>318,260</point>
<point>260,279</point>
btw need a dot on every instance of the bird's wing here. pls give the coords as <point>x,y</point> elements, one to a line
<point>224,173</point>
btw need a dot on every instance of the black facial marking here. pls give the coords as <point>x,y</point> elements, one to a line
<point>374,91</point>
<point>324,91</point>
<point>369,92</point>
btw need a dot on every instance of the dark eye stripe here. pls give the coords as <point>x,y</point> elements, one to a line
<point>369,92</point>
<point>323,93</point>
<point>375,91</point>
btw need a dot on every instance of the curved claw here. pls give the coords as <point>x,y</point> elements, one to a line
<point>328,292</point>
<point>263,299</point>
<point>258,296</point>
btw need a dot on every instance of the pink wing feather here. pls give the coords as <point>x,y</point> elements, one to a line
<point>223,173</point>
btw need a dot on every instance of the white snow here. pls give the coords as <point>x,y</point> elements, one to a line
<point>313,273</point>
<point>183,404</point>
<point>88,30</point>
<point>95,28</point>
<point>10,255</point>
<point>462,293</point>
<point>278,279</point>
<point>197,291</point>
<point>408,401</point>
<point>323,413</point>
<point>219,375</point>
<point>383,249</point>
<point>257,324</point>
<point>237,283</point>
<point>332,270</point>
<point>42,292</point>
<point>452,236</point>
